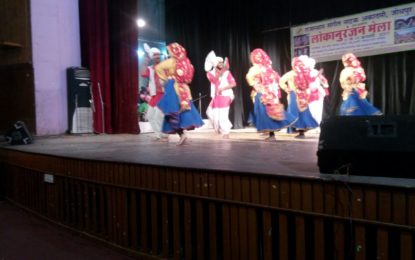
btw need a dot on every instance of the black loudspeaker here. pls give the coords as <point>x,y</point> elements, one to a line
<point>368,145</point>
<point>18,134</point>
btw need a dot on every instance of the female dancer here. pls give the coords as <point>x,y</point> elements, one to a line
<point>297,85</point>
<point>269,114</point>
<point>354,91</point>
<point>176,104</point>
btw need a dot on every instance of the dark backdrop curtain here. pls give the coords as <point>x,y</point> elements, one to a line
<point>108,42</point>
<point>124,65</point>
<point>221,27</point>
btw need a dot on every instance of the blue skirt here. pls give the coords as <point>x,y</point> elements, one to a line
<point>356,106</point>
<point>305,120</point>
<point>174,119</point>
<point>263,122</point>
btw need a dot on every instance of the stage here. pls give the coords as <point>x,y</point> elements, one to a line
<point>245,151</point>
<point>208,198</point>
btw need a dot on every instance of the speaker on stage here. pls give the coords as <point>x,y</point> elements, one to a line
<point>79,100</point>
<point>368,145</point>
<point>18,134</point>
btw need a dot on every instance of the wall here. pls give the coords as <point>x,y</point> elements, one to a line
<point>55,46</point>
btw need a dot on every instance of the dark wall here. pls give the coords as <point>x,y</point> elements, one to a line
<point>17,100</point>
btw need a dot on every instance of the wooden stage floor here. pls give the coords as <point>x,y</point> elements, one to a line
<point>245,151</point>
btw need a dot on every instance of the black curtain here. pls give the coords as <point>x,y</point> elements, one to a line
<point>234,28</point>
<point>390,77</point>
<point>228,32</point>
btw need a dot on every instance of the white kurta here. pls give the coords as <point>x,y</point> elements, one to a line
<point>218,111</point>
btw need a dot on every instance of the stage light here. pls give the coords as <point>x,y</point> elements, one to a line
<point>140,53</point>
<point>141,23</point>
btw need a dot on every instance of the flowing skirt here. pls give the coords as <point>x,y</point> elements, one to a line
<point>305,120</point>
<point>174,119</point>
<point>356,106</point>
<point>263,122</point>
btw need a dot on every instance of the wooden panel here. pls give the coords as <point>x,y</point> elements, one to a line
<point>176,230</point>
<point>300,247</point>
<point>200,234</point>
<point>197,183</point>
<point>212,185</point>
<point>246,189</point>
<point>226,232</point>
<point>154,224</point>
<point>236,188</point>
<point>165,247</point>
<point>382,244</point>
<point>295,194</point>
<point>213,236</point>
<point>133,221</point>
<point>370,204</point>
<point>357,203</point>
<point>220,182</point>
<point>235,228</point>
<point>266,235</point>
<point>306,196</point>
<point>275,192</point>
<point>144,222</point>
<point>399,208</point>
<point>252,232</point>
<point>407,250</point>
<point>285,193</point>
<point>188,240</point>
<point>264,190</point>
<point>360,252</point>
<point>319,239</point>
<point>243,234</point>
<point>254,190</point>
<point>204,179</point>
<point>329,199</point>
<point>411,205</point>
<point>86,207</point>
<point>283,237</point>
<point>385,206</point>
<point>342,203</point>
<point>228,187</point>
<point>338,235</point>
<point>124,227</point>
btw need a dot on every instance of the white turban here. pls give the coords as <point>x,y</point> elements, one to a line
<point>151,51</point>
<point>212,61</point>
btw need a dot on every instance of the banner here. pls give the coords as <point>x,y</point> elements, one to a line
<point>370,33</point>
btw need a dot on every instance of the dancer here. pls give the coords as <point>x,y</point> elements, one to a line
<point>297,85</point>
<point>176,104</point>
<point>352,80</point>
<point>154,114</point>
<point>269,114</point>
<point>221,84</point>
<point>319,88</point>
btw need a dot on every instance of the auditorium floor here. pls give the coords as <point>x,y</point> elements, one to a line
<point>26,236</point>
